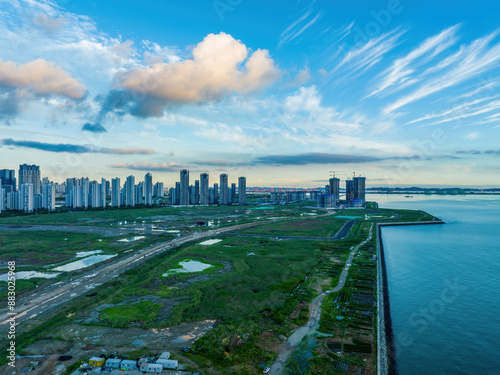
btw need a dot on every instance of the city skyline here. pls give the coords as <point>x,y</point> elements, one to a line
<point>106,90</point>
<point>34,193</point>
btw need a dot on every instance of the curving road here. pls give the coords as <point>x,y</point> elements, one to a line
<point>314,315</point>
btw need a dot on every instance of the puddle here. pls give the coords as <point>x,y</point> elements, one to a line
<point>132,239</point>
<point>209,242</point>
<point>83,263</point>
<point>82,254</point>
<point>188,266</point>
<point>30,275</point>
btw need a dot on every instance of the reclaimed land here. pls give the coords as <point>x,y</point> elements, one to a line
<point>237,313</point>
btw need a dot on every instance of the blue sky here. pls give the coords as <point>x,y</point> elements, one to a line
<point>282,92</point>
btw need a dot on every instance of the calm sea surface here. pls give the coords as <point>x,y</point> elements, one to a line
<point>444,285</point>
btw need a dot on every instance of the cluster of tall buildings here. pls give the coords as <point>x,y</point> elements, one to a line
<point>83,193</point>
<point>354,193</point>
<point>31,192</point>
<point>184,194</point>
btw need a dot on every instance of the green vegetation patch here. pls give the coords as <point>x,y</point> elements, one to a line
<point>142,312</point>
<point>39,248</point>
<point>314,227</point>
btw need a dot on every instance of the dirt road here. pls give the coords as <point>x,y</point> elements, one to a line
<point>314,316</point>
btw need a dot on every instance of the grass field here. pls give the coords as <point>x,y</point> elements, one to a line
<point>35,249</point>
<point>40,248</point>
<point>254,283</point>
<point>314,227</point>
<point>142,312</point>
<point>142,214</point>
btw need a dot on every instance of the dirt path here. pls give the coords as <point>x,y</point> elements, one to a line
<point>314,316</point>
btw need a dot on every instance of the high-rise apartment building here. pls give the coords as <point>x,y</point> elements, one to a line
<point>359,189</point>
<point>148,189</point>
<point>49,197</point>
<point>334,188</point>
<point>139,193</point>
<point>130,191</point>
<point>196,192</point>
<point>216,193</point>
<point>232,194</point>
<point>223,189</point>
<point>30,174</point>
<point>192,194</point>
<point>95,194</point>
<point>204,192</point>
<point>177,193</point>
<point>242,190</point>
<point>158,189</point>
<point>26,197</point>
<point>171,196</point>
<point>349,190</point>
<point>103,192</point>
<point>115,192</point>
<point>184,188</point>
<point>8,180</point>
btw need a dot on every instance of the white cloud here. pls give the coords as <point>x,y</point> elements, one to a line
<point>49,24</point>
<point>41,29</point>
<point>232,134</point>
<point>218,68</point>
<point>472,135</point>
<point>42,77</point>
<point>305,111</point>
<point>302,77</point>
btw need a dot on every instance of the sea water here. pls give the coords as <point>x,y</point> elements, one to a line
<point>444,285</point>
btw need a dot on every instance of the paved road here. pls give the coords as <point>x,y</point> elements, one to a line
<point>314,315</point>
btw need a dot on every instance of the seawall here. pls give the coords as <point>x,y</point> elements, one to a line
<point>386,354</point>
